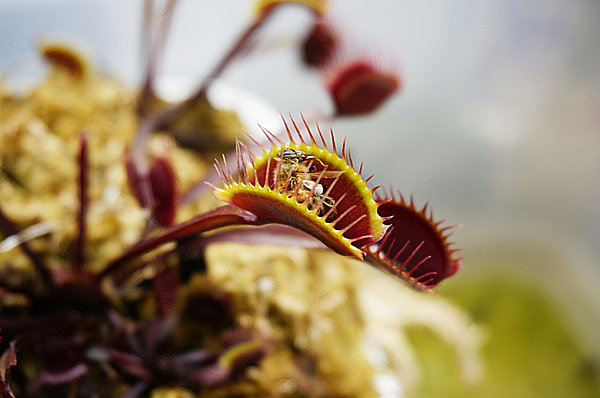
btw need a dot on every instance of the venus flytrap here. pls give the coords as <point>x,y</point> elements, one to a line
<point>415,248</point>
<point>319,192</point>
<point>129,322</point>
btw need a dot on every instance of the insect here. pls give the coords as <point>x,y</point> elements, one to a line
<point>296,171</point>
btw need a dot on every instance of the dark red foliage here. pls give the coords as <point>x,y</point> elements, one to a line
<point>220,217</point>
<point>211,308</point>
<point>138,185</point>
<point>211,375</point>
<point>77,289</point>
<point>359,87</point>
<point>417,244</point>
<point>166,288</point>
<point>249,358</point>
<point>83,201</point>
<point>7,361</point>
<point>52,378</point>
<point>319,45</point>
<point>155,190</point>
<point>164,191</point>
<point>74,328</point>
<point>241,350</point>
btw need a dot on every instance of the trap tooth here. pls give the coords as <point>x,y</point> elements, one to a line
<point>305,185</point>
<point>415,247</point>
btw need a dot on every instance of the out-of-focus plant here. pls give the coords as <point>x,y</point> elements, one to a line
<point>130,324</point>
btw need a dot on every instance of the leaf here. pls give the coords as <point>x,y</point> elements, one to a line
<point>221,217</point>
<point>415,247</point>
<point>164,191</point>
<point>270,235</point>
<point>308,186</point>
<point>7,361</point>
<point>73,373</point>
<point>359,87</point>
<point>166,289</point>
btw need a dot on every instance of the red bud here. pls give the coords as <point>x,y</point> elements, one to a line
<point>164,191</point>
<point>319,45</point>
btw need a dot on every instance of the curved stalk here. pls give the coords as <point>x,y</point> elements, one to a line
<point>220,217</point>
<point>163,118</point>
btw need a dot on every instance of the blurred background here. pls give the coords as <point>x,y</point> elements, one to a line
<point>497,126</point>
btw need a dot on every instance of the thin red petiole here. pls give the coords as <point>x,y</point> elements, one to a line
<point>83,202</point>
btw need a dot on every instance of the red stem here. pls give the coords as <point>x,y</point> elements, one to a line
<point>220,217</point>
<point>160,120</point>
<point>83,202</point>
<point>152,51</point>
